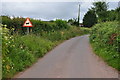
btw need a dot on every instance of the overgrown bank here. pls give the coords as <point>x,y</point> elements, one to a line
<point>105,40</point>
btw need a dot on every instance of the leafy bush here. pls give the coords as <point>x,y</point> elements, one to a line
<point>39,26</point>
<point>60,24</point>
<point>14,58</point>
<point>105,40</point>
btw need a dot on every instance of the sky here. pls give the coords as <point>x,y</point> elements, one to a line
<point>48,10</point>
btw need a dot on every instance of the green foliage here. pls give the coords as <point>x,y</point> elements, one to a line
<point>85,30</point>
<point>60,24</point>
<point>89,19</point>
<point>65,34</point>
<point>35,44</point>
<point>73,22</point>
<point>38,26</point>
<point>103,14</point>
<point>41,26</point>
<point>6,21</point>
<point>17,24</point>
<point>117,10</point>
<point>100,9</point>
<point>19,52</point>
<point>105,40</point>
<point>100,6</point>
<point>14,58</point>
<point>113,15</point>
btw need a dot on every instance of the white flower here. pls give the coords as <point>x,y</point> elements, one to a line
<point>21,47</point>
<point>13,45</point>
<point>12,67</point>
<point>6,37</point>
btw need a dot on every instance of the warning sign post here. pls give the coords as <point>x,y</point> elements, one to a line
<point>27,24</point>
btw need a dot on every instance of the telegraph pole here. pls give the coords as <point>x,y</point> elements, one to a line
<point>118,4</point>
<point>78,14</point>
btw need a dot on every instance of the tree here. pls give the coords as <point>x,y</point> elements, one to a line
<point>7,21</point>
<point>111,15</point>
<point>89,19</point>
<point>100,9</point>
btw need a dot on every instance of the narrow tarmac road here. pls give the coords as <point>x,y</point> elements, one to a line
<point>71,59</point>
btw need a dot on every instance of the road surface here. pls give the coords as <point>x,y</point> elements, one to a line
<point>71,59</point>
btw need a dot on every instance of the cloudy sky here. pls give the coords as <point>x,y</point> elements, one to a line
<point>48,10</point>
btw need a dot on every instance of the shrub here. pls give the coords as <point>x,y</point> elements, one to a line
<point>14,59</point>
<point>60,24</point>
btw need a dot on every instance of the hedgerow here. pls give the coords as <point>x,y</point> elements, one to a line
<point>105,39</point>
<point>21,51</point>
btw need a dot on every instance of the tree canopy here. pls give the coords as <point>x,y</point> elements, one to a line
<point>100,9</point>
<point>89,19</point>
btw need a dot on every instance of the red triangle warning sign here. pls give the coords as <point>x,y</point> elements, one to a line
<point>27,23</point>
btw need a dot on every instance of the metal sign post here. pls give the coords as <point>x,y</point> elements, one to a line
<point>27,30</point>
